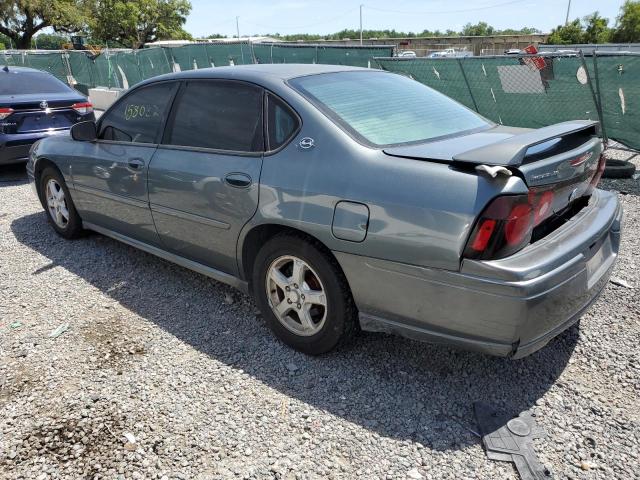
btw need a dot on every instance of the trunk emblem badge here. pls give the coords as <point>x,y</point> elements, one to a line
<point>576,162</point>
<point>44,104</point>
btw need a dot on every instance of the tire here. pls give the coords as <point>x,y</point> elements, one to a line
<point>69,224</point>
<point>618,169</point>
<point>324,328</point>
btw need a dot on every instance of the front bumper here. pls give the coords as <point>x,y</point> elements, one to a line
<point>512,306</point>
<point>14,148</point>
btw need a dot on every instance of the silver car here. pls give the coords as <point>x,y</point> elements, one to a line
<point>345,199</point>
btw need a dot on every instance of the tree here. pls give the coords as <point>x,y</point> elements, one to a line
<point>480,29</point>
<point>567,34</point>
<point>132,23</point>
<point>47,41</point>
<point>628,27</point>
<point>20,20</point>
<point>596,29</point>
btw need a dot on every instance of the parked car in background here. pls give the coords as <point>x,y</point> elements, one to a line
<point>450,52</point>
<point>346,198</point>
<point>407,54</point>
<point>34,105</point>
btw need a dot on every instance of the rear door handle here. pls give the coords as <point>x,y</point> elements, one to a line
<point>136,163</point>
<point>238,180</point>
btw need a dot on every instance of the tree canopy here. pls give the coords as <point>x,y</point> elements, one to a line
<point>20,20</point>
<point>595,29</point>
<point>131,24</point>
<point>628,28</point>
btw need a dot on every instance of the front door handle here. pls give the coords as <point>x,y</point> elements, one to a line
<point>136,163</point>
<point>238,180</point>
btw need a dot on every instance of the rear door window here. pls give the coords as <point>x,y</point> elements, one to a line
<point>381,109</point>
<point>139,116</point>
<point>282,123</point>
<point>219,115</point>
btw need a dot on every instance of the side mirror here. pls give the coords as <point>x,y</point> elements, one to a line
<point>84,131</point>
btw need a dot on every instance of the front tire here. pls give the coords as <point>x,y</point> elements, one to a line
<point>56,200</point>
<point>303,294</point>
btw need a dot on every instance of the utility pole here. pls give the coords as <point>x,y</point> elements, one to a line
<point>566,22</point>
<point>361,23</point>
<point>238,27</point>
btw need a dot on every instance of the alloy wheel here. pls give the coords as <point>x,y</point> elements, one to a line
<point>296,295</point>
<point>57,204</point>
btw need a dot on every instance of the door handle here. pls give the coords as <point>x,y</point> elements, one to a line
<point>135,163</point>
<point>238,180</point>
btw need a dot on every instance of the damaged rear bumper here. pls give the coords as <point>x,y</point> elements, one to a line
<point>512,306</point>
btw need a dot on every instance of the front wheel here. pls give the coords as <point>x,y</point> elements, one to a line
<point>61,212</point>
<point>303,295</point>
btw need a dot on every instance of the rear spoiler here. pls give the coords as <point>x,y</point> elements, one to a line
<point>512,151</point>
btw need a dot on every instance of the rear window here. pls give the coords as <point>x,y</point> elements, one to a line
<point>23,83</point>
<point>384,109</point>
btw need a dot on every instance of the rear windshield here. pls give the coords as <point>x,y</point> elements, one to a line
<point>22,83</point>
<point>387,109</point>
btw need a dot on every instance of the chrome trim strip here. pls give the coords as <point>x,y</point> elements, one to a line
<point>189,216</point>
<point>183,262</point>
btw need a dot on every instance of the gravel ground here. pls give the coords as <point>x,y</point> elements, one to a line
<point>164,373</point>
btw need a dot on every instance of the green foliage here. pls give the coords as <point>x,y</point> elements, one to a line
<point>567,34</point>
<point>628,28</point>
<point>473,30</point>
<point>478,30</point>
<point>132,23</point>
<point>47,41</point>
<point>596,29</point>
<point>4,40</point>
<point>21,19</point>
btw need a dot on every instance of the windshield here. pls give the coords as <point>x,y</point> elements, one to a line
<point>21,83</point>
<point>387,109</point>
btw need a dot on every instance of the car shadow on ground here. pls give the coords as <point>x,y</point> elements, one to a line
<point>13,174</point>
<point>398,388</point>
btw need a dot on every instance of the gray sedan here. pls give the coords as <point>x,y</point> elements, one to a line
<point>346,199</point>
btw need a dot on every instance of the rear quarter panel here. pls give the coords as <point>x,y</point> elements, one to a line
<point>420,211</point>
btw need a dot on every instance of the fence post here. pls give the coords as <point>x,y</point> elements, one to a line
<point>600,109</point>
<point>466,81</point>
<point>594,95</point>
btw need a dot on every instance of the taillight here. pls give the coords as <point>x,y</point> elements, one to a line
<point>504,227</point>
<point>83,108</point>
<point>5,112</point>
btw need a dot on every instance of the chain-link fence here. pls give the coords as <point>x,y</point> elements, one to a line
<point>535,91</point>
<point>125,68</point>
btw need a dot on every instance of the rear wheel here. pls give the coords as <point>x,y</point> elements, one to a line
<point>61,212</point>
<point>303,295</point>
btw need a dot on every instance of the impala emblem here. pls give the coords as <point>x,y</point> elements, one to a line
<point>576,162</point>
<point>44,104</point>
<point>307,142</point>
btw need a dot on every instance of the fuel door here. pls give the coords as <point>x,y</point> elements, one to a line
<point>350,221</point>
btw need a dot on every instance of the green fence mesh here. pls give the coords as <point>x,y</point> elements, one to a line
<point>511,90</point>
<point>328,55</point>
<point>538,91</point>
<point>619,92</point>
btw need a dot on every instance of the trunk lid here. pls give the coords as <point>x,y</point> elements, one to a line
<point>563,157</point>
<point>33,113</point>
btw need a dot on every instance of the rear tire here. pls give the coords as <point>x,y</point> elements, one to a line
<point>618,169</point>
<point>56,200</point>
<point>303,294</point>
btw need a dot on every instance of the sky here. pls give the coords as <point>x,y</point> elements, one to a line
<point>328,16</point>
